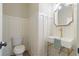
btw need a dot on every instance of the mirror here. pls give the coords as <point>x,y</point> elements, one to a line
<point>63,15</point>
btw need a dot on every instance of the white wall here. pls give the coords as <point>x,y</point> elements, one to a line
<point>33,29</point>
<point>14,23</point>
<point>13,26</point>
<point>6,36</point>
<point>16,9</point>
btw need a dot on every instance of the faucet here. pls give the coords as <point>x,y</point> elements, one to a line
<point>61,31</point>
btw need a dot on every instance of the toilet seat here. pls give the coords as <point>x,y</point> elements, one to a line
<point>19,49</point>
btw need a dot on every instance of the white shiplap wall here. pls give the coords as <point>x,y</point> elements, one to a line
<point>13,26</point>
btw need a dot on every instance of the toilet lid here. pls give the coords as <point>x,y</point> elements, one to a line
<point>19,49</point>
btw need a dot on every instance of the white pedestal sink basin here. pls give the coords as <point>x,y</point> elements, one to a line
<point>65,42</point>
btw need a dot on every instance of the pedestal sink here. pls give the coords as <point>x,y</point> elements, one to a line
<point>65,42</point>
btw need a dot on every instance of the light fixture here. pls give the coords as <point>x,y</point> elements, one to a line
<point>59,7</point>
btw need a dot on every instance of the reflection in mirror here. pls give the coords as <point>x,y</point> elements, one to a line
<point>64,14</point>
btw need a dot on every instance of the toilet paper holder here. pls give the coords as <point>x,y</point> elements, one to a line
<point>3,44</point>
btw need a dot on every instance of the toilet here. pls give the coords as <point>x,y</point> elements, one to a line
<point>18,48</point>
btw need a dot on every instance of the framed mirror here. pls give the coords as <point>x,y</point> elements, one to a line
<point>63,15</point>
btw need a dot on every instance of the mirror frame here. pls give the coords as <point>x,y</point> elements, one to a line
<point>69,22</point>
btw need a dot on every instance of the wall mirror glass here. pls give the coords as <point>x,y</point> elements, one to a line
<point>63,15</point>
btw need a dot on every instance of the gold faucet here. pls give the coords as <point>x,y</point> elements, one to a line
<point>61,31</point>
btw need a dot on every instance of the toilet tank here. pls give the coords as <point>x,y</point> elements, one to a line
<point>17,40</point>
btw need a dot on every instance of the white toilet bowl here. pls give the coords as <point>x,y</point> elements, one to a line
<point>18,47</point>
<point>19,50</point>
